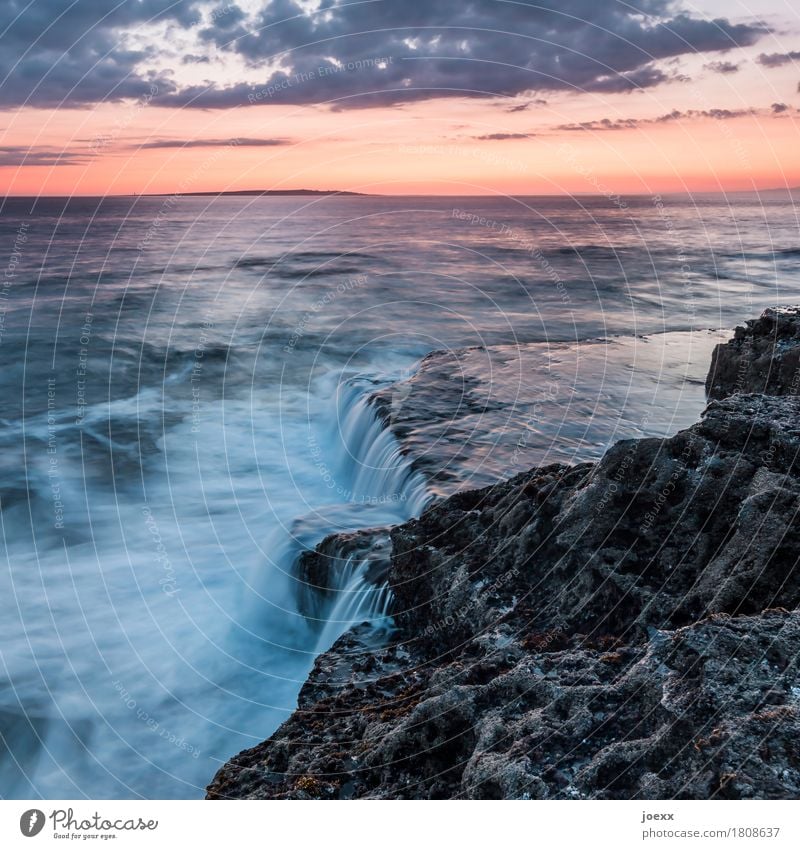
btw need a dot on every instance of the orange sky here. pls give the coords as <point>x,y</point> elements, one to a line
<point>385,151</point>
<point>435,146</point>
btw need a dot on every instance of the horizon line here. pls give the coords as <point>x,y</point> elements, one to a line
<point>266,193</point>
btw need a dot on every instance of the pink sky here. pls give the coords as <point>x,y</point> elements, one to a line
<point>734,130</point>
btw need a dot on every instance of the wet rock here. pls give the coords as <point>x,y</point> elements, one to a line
<point>476,416</point>
<point>620,629</point>
<point>319,570</point>
<point>707,711</point>
<point>763,356</point>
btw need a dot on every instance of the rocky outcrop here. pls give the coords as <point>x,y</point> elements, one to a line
<point>763,356</point>
<point>710,710</point>
<point>319,569</point>
<point>624,629</point>
<point>473,417</point>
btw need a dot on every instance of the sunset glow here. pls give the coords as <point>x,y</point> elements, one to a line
<point>401,401</point>
<point>720,118</point>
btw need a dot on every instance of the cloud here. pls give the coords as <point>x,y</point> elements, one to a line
<point>602,124</point>
<point>452,48</point>
<point>719,114</point>
<point>522,107</point>
<point>777,108</point>
<point>775,60</point>
<point>161,144</point>
<point>21,156</point>
<point>78,54</point>
<point>676,115</point>
<point>504,136</point>
<point>716,114</point>
<point>722,67</point>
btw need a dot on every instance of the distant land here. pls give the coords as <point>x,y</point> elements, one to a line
<point>256,193</point>
<point>331,192</point>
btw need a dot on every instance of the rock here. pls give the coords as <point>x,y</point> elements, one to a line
<point>706,712</point>
<point>615,630</point>
<point>762,357</point>
<point>466,430</point>
<point>319,570</point>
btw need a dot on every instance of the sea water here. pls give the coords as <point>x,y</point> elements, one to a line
<point>186,408</point>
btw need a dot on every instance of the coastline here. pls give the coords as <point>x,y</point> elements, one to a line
<point>619,629</point>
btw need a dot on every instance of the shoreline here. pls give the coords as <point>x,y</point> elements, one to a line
<point>619,629</point>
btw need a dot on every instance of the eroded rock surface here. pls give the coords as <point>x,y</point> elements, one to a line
<point>762,357</point>
<point>624,629</point>
<point>475,416</point>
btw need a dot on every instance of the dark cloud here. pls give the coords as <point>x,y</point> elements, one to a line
<point>722,67</point>
<point>675,115</point>
<point>522,107</point>
<point>720,114</point>
<point>602,124</point>
<point>446,48</point>
<point>775,60</point>
<point>504,136</point>
<point>181,143</point>
<point>226,16</point>
<point>20,156</point>
<point>716,114</point>
<point>55,52</point>
<point>777,108</point>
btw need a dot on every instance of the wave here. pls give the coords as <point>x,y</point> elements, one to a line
<point>306,258</point>
<point>769,256</point>
<point>242,671</point>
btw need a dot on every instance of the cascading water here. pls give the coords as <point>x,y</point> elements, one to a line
<point>371,457</point>
<point>176,682</point>
<point>178,409</point>
<point>381,488</point>
<point>357,599</point>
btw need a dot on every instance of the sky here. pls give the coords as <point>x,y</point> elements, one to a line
<point>458,97</point>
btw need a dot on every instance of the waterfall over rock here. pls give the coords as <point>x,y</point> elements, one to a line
<point>342,577</point>
<point>371,457</point>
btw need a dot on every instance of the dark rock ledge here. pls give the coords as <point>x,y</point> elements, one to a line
<point>625,629</point>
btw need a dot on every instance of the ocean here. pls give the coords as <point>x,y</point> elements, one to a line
<point>186,391</point>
